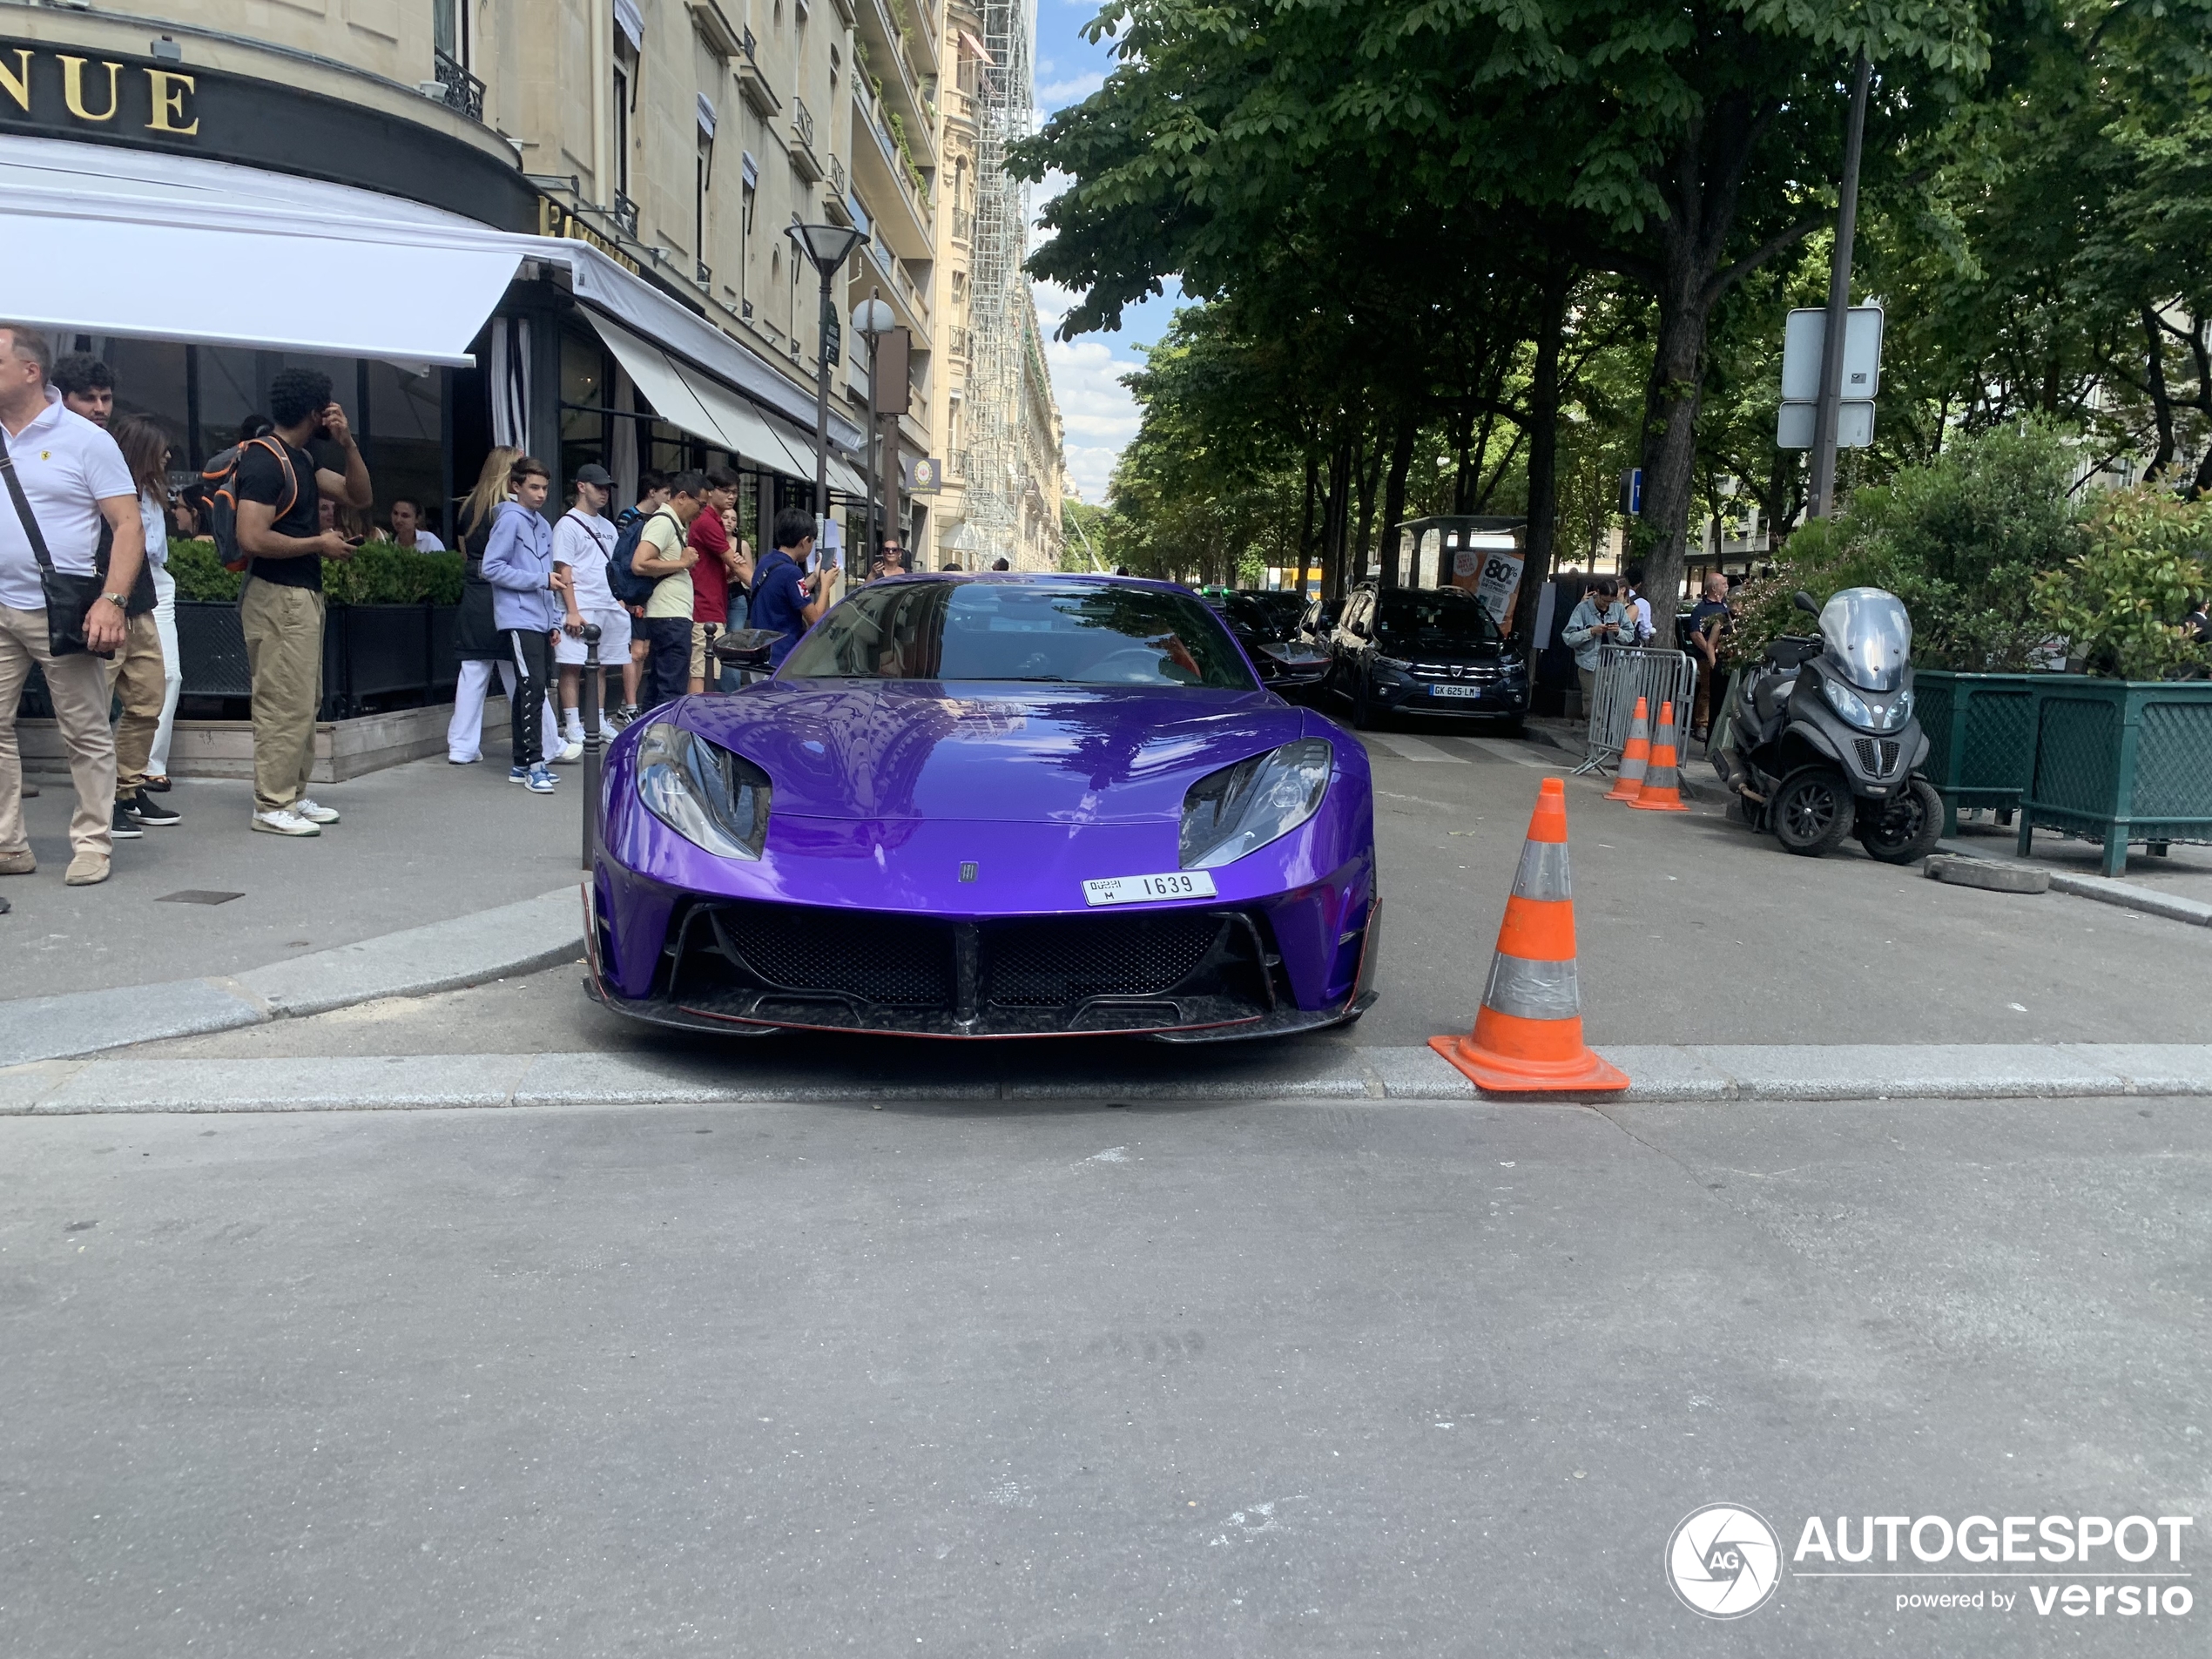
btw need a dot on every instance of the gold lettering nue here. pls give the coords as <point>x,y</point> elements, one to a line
<point>16,82</point>
<point>73,88</point>
<point>168,91</point>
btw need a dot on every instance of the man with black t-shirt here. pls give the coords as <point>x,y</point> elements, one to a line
<point>281,608</point>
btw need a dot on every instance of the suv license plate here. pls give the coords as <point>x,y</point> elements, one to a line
<point>1457,690</point>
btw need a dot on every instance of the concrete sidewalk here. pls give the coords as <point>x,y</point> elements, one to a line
<point>772,1073</point>
<point>422,843</point>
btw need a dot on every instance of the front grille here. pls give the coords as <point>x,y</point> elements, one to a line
<point>1048,964</point>
<point>1878,758</point>
<point>899,962</point>
<point>880,970</point>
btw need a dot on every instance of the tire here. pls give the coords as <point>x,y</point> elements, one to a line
<point>1907,828</point>
<point>1811,812</point>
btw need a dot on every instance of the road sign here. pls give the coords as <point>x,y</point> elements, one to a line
<point>1632,492</point>
<point>1802,336</point>
<point>1854,426</point>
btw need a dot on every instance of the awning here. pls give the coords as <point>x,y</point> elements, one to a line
<point>175,265</point>
<point>685,396</point>
<point>149,245</point>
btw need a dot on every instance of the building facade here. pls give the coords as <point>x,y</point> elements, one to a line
<point>347,181</point>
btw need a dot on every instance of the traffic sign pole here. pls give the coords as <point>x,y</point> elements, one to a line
<point>1820,499</point>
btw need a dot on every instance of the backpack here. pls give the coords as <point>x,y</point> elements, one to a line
<point>622,580</point>
<point>220,481</point>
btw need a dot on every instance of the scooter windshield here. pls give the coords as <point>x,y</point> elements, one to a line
<point>1868,633</point>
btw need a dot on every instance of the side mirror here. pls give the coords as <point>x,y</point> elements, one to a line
<point>1806,603</point>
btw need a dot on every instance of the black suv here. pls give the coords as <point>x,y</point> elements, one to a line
<point>1424,651</point>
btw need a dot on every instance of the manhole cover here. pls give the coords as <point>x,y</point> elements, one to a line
<point>197,895</point>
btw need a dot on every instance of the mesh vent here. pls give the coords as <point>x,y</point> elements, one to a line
<point>1878,760</point>
<point>1051,963</point>
<point>900,961</point>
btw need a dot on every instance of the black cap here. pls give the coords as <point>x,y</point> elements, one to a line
<point>592,473</point>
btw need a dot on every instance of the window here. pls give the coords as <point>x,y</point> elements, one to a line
<point>618,128</point>
<point>702,177</point>
<point>450,30</point>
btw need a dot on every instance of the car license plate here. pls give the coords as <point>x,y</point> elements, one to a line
<point>1149,889</point>
<point>1457,690</point>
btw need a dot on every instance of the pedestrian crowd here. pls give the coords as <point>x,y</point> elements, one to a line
<point>87,599</point>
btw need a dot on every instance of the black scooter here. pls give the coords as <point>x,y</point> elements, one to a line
<point>1818,741</point>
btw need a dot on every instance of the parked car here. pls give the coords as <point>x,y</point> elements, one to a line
<point>1424,651</point>
<point>990,806</point>
<point>1267,625</point>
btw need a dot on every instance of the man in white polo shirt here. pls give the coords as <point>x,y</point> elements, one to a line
<point>71,477</point>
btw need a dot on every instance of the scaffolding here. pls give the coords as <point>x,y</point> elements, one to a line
<point>999,295</point>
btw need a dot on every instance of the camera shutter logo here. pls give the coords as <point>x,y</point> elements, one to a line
<point>1724,1561</point>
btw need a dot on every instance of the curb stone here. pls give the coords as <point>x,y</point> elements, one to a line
<point>2128,895</point>
<point>447,955</point>
<point>1683,1074</point>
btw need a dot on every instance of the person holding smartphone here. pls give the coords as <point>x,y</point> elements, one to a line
<point>280,485</point>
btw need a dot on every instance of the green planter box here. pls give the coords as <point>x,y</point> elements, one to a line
<point>2120,761</point>
<point>1982,737</point>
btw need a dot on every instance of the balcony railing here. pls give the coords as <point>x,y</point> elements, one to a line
<point>752,85</point>
<point>956,342</point>
<point>802,121</point>
<point>705,274</point>
<point>964,225</point>
<point>624,213</point>
<point>464,92</point>
<point>837,175</point>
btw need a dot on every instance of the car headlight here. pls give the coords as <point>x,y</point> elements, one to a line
<point>1863,714</point>
<point>711,798</point>
<point>1230,812</point>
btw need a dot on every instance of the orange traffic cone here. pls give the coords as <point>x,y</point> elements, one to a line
<point>1636,757</point>
<point>1661,791</point>
<point>1528,1037</point>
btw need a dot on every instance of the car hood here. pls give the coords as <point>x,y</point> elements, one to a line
<point>890,750</point>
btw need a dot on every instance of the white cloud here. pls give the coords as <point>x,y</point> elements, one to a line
<point>1100,415</point>
<point>1056,94</point>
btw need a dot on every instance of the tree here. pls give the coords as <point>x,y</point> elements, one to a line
<point>1673,145</point>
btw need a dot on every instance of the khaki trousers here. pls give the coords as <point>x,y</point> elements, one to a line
<point>284,650</point>
<point>139,672</point>
<point>78,687</point>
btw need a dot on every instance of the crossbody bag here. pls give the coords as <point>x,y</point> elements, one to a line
<point>70,598</point>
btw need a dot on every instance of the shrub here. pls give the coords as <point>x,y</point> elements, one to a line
<point>2119,606</point>
<point>1961,541</point>
<point>380,573</point>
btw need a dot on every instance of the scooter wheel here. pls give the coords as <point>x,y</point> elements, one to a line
<point>1811,812</point>
<point>1908,826</point>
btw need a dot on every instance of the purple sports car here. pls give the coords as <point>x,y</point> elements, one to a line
<point>991,807</point>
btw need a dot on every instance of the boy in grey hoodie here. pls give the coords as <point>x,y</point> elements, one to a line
<point>526,610</point>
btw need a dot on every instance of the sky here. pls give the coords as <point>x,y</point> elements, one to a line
<point>1086,372</point>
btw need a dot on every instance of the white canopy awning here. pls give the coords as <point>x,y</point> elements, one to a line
<point>687,397</point>
<point>149,245</point>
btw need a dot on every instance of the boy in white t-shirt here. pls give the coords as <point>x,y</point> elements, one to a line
<point>582,542</point>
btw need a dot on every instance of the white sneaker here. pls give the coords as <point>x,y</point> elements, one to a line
<point>570,752</point>
<point>283,823</point>
<point>313,812</point>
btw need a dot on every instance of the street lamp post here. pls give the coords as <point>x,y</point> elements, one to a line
<point>826,247</point>
<point>872,319</point>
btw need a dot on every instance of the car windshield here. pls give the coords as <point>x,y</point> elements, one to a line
<point>1082,633</point>
<point>1439,621</point>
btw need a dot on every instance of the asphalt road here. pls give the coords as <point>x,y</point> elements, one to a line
<point>1691,929</point>
<point>1249,1380</point>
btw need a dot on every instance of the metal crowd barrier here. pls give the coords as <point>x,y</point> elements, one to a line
<point>1625,673</point>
